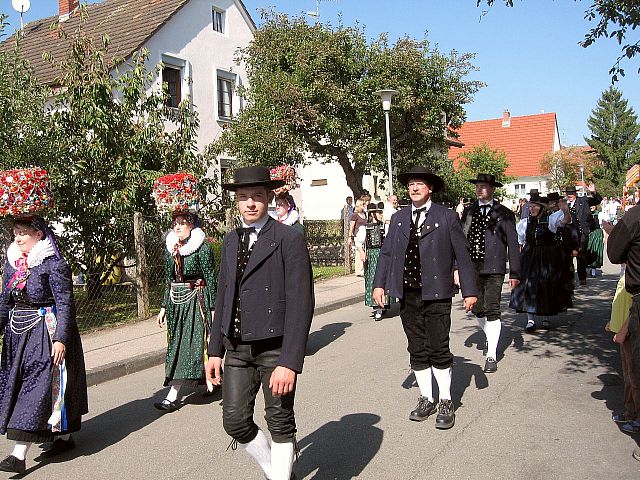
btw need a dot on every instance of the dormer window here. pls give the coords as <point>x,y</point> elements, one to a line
<point>217,18</point>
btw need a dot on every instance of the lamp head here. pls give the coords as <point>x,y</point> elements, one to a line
<point>385,95</point>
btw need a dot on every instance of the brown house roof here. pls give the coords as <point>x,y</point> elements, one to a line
<point>128,23</point>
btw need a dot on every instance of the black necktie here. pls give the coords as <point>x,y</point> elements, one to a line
<point>245,234</point>
<point>485,209</point>
<point>417,212</point>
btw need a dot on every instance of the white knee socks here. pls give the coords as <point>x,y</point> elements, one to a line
<point>260,450</point>
<point>21,449</point>
<point>423,377</point>
<point>492,330</point>
<point>443,377</point>
<point>482,322</point>
<point>281,460</point>
<point>172,396</point>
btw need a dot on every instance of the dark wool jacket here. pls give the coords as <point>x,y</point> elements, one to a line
<point>501,239</point>
<point>623,246</point>
<point>276,293</point>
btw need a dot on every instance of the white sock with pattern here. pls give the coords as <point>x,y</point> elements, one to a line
<point>443,377</point>
<point>21,449</point>
<point>281,460</point>
<point>260,450</point>
<point>425,382</point>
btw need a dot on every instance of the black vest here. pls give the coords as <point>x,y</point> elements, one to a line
<point>475,237</point>
<point>241,265</point>
<point>412,270</point>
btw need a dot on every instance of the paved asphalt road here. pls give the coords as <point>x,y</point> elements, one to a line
<point>544,415</point>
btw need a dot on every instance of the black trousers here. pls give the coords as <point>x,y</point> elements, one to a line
<point>247,366</point>
<point>583,261</point>
<point>489,294</point>
<point>426,324</point>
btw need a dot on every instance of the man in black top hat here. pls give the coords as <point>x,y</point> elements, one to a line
<point>580,209</point>
<point>424,245</point>
<point>263,314</point>
<point>491,232</point>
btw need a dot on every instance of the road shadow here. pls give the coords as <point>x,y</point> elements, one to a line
<point>340,450</point>
<point>326,335</point>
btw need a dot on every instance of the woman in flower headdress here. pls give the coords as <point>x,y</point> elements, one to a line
<point>189,299</point>
<point>43,390</point>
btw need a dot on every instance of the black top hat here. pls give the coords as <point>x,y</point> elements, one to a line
<point>553,196</point>
<point>486,178</point>
<point>252,177</point>
<point>425,174</point>
<point>570,189</point>
<point>373,207</point>
<point>534,191</point>
<point>536,198</point>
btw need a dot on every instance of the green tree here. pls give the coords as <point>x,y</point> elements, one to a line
<point>311,91</point>
<point>614,137</point>
<point>481,159</point>
<point>113,136</point>
<point>615,19</point>
<point>562,167</point>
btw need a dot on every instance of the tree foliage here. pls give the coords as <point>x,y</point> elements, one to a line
<point>106,136</point>
<point>481,159</point>
<point>614,137</point>
<point>616,19</point>
<point>311,92</point>
<point>562,167</point>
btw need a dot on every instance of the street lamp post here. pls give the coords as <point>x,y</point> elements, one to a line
<point>581,167</point>
<point>386,95</point>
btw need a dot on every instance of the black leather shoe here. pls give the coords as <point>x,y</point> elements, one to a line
<point>58,447</point>
<point>166,406</point>
<point>490,365</point>
<point>423,409</point>
<point>531,327</point>
<point>12,464</point>
<point>445,418</point>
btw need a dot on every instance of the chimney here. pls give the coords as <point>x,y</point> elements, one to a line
<point>506,119</point>
<point>66,9</point>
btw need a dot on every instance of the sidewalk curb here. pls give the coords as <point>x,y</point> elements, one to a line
<point>115,370</point>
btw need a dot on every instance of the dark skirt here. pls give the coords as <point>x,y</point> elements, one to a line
<point>186,333</point>
<point>543,288</point>
<point>26,374</point>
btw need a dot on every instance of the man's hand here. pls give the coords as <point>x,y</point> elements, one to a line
<point>607,227</point>
<point>162,317</point>
<point>213,369</point>
<point>574,253</point>
<point>282,381</point>
<point>57,353</point>
<point>456,278</point>
<point>469,302</point>
<point>513,283</point>
<point>591,187</point>
<point>378,297</point>
<point>620,337</point>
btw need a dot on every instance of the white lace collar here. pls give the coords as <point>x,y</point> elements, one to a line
<point>40,251</point>
<point>195,240</point>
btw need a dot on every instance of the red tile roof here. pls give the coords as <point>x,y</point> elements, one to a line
<point>525,141</point>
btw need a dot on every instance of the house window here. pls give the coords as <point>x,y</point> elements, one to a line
<point>217,17</point>
<point>520,189</point>
<point>319,182</point>
<point>225,96</point>
<point>171,77</point>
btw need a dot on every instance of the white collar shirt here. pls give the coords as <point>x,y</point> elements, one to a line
<point>258,225</point>
<point>427,206</point>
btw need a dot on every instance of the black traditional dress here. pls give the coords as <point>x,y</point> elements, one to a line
<point>543,288</point>
<point>38,399</point>
<point>373,243</point>
<point>189,300</point>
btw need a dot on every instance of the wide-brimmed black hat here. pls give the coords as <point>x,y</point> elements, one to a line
<point>534,191</point>
<point>570,189</point>
<point>542,201</point>
<point>373,207</point>
<point>422,173</point>
<point>486,178</point>
<point>252,177</point>
<point>553,196</point>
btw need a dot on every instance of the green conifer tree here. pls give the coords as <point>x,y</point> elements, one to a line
<point>614,136</point>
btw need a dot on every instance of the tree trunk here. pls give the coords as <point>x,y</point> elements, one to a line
<point>353,175</point>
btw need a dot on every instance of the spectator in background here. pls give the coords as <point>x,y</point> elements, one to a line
<point>348,206</point>
<point>624,247</point>
<point>460,207</point>
<point>357,236</point>
<point>390,207</point>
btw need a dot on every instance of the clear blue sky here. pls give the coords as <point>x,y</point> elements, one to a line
<point>528,55</point>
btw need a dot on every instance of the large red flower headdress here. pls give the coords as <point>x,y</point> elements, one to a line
<point>286,173</point>
<point>25,191</point>
<point>177,192</point>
